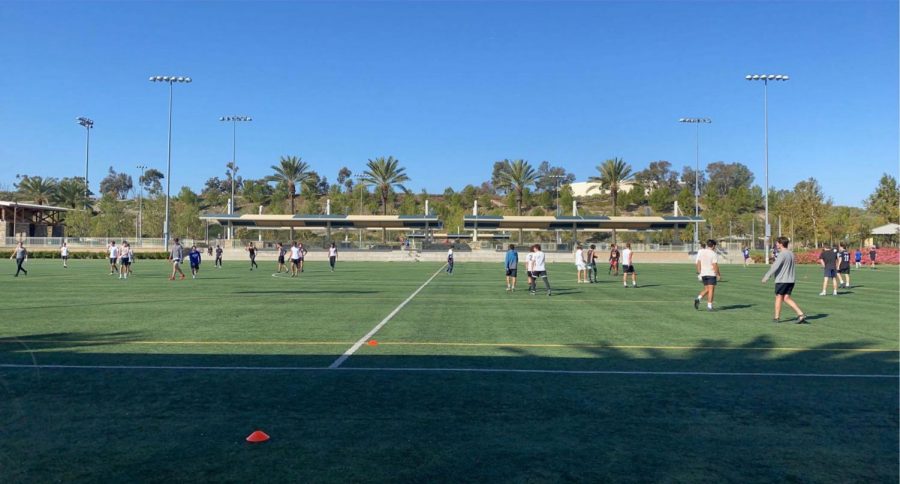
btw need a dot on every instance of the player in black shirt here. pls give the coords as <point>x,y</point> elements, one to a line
<point>828,261</point>
<point>843,266</point>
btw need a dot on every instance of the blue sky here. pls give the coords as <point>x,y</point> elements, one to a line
<point>448,88</point>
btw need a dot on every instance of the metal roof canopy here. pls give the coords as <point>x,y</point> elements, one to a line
<point>274,222</point>
<point>589,222</point>
<point>33,206</point>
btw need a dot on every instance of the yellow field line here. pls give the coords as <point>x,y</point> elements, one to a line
<point>448,344</point>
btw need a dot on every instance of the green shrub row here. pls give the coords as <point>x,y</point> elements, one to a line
<point>83,254</point>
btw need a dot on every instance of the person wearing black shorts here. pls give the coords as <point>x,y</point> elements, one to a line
<point>708,270</point>
<point>783,270</point>
<point>252,250</point>
<point>219,256</point>
<point>843,266</point>
<point>511,264</point>
<point>828,261</point>
<point>872,254</point>
<point>281,252</point>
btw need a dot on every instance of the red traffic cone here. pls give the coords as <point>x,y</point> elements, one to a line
<point>372,342</point>
<point>257,437</point>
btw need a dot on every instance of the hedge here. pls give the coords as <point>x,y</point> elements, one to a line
<point>82,254</point>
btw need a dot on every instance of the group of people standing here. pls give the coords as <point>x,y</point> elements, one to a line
<point>123,254</point>
<point>535,268</point>
<point>586,264</point>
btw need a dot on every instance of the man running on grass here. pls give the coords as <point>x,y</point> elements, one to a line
<point>708,270</point>
<point>176,255</point>
<point>539,269</point>
<point>628,266</point>
<point>828,261</point>
<point>783,270</point>
<point>512,267</point>
<point>194,256</point>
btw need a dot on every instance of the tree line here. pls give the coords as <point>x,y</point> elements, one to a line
<point>729,200</point>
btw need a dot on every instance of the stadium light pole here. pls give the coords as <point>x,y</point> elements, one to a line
<point>234,120</point>
<point>170,80</point>
<point>88,126</point>
<point>765,78</point>
<point>698,122</point>
<point>360,177</point>
<point>141,203</point>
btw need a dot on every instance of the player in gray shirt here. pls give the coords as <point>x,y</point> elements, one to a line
<point>783,270</point>
<point>176,255</point>
<point>20,255</point>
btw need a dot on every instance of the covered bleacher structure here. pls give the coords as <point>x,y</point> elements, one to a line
<point>575,224</point>
<point>21,220</point>
<point>328,223</point>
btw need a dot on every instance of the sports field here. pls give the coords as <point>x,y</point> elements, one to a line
<point>153,380</point>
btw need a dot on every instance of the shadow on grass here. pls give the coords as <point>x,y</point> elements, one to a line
<point>483,414</point>
<point>736,306</point>
<point>759,355</point>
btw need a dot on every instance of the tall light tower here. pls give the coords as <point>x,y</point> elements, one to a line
<point>765,78</point>
<point>171,80</point>
<point>88,126</point>
<point>141,203</point>
<point>698,122</point>
<point>234,121</point>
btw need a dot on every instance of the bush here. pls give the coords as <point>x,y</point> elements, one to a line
<point>82,254</point>
<point>885,255</point>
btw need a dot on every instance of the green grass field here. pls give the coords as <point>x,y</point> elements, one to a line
<point>466,384</point>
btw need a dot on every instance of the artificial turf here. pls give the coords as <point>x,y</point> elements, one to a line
<point>700,397</point>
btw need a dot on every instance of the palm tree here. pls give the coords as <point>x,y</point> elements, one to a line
<point>613,172</point>
<point>37,189</point>
<point>384,174</point>
<point>516,176</point>
<point>290,172</point>
<point>70,193</point>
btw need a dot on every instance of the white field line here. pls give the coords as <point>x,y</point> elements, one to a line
<point>341,359</point>
<point>447,370</point>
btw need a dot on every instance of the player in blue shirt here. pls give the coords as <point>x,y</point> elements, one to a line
<point>194,257</point>
<point>512,267</point>
<point>746,252</point>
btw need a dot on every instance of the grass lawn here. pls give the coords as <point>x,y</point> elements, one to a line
<point>468,383</point>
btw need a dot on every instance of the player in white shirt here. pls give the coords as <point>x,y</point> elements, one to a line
<point>538,269</point>
<point>580,266</point>
<point>450,261</point>
<point>113,256</point>
<point>529,266</point>
<point>125,259</point>
<point>708,271</point>
<point>295,259</point>
<point>628,266</point>
<point>64,254</point>
<point>332,256</point>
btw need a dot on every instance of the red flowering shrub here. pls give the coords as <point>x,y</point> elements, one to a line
<point>885,255</point>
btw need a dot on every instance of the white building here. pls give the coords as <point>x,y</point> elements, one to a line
<point>586,189</point>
